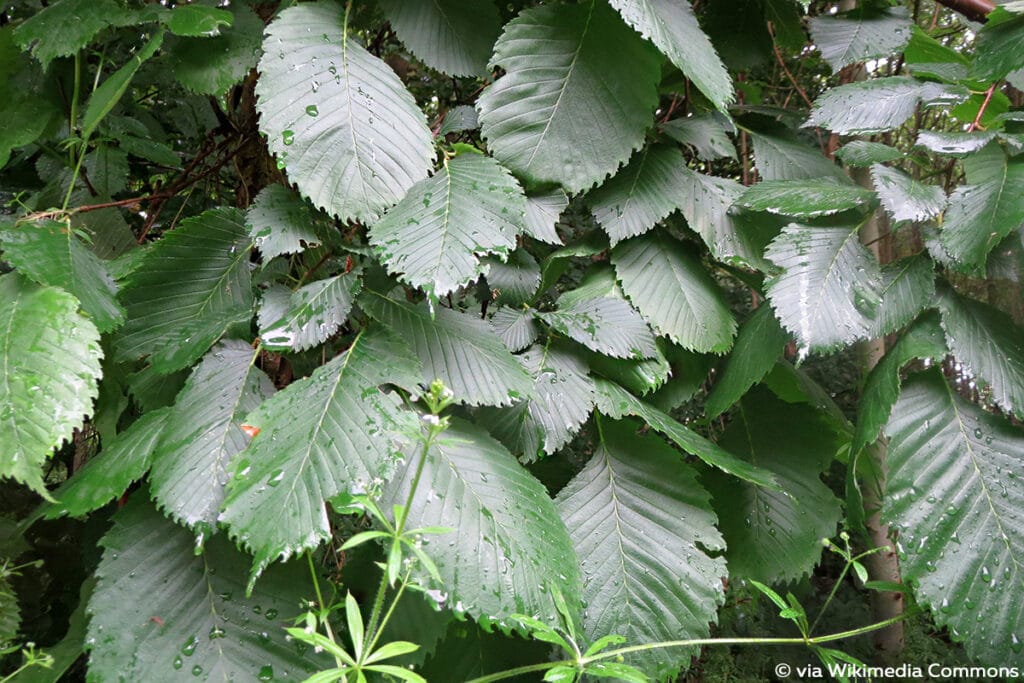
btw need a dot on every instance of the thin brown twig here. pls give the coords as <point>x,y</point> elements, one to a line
<point>785,69</point>
<point>976,124</point>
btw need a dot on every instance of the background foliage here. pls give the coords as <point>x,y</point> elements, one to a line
<point>707,283</point>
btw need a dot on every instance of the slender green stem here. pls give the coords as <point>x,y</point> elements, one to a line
<point>320,603</point>
<point>387,615</point>
<point>73,119</point>
<point>694,642</point>
<point>831,594</point>
<point>74,178</point>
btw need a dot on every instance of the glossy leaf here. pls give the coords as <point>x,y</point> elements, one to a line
<point>673,28</point>
<point>647,541</point>
<point>163,612</point>
<point>759,344</point>
<point>313,314</point>
<point>616,402</point>
<point>48,375</point>
<point>508,549</point>
<point>123,460</point>
<point>875,105</point>
<point>334,432</point>
<point>435,235</point>
<point>860,34</point>
<point>990,346</point>
<point>51,254</point>
<point>1000,46</point>
<point>564,397</point>
<point>542,212</point>
<point>674,293</point>
<point>568,111</point>
<point>904,198</point>
<point>607,325</point>
<point>706,133</point>
<point>775,536</point>
<point>864,153</point>
<point>449,35</point>
<point>189,287</point>
<point>337,117</point>
<point>803,198</point>
<point>639,196</point>
<point>281,222</point>
<point>954,493</point>
<point>987,208</point>
<point>203,433</point>
<point>65,27</point>
<point>210,66</point>
<point>779,155</point>
<point>461,350</point>
<point>829,291</point>
<point>908,287</point>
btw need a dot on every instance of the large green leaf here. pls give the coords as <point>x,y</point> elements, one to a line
<point>674,292</point>
<point>469,208</point>
<point>568,110</point>
<point>862,153</point>
<point>161,612</point>
<point>860,34</point>
<point>542,212</point>
<point>189,287</point>
<point>65,27</point>
<point>904,198</point>
<point>49,367</point>
<point>986,209</point>
<point>808,198</point>
<point>544,424</point>
<point>990,346</point>
<point>674,29</point>
<point>645,534</point>
<point>908,287</point>
<point>282,222</point>
<point>517,328</point>
<point>211,65</point>
<point>775,536</point>
<point>616,402</point>
<point>123,460</point>
<point>313,313</point>
<point>514,281</point>
<point>829,290</point>
<point>922,340</point>
<point>459,349</point>
<point>955,495</point>
<point>779,155</point>
<point>732,237</point>
<point>639,196</point>
<point>954,143</point>
<point>876,105</point>
<point>759,344</point>
<point>706,133</point>
<point>51,254</point>
<point>203,433</point>
<point>338,118</point>
<point>452,36</point>
<point>508,550</point>
<point>607,325</point>
<point>334,432</point>
<point>1000,46</point>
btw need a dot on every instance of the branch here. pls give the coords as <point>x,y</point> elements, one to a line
<point>975,10</point>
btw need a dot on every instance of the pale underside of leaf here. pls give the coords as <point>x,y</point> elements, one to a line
<point>449,35</point>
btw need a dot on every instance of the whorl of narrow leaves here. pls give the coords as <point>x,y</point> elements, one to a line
<point>955,494</point>
<point>508,549</point>
<point>189,287</point>
<point>432,239</point>
<point>162,611</point>
<point>334,432</point>
<point>645,534</point>
<point>828,291</point>
<point>338,118</point>
<point>49,367</point>
<point>568,110</point>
